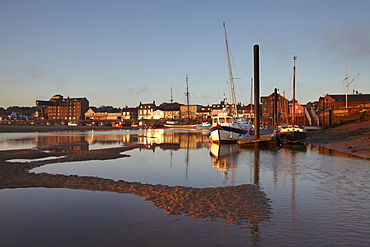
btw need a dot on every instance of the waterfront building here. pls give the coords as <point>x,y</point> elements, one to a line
<point>338,101</point>
<point>145,111</point>
<point>333,109</point>
<point>275,105</point>
<point>170,110</point>
<point>247,112</point>
<point>96,114</point>
<point>129,113</point>
<point>60,108</point>
<point>189,111</point>
<point>222,107</point>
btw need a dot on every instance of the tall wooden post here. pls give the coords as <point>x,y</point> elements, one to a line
<point>256,92</point>
<point>275,107</point>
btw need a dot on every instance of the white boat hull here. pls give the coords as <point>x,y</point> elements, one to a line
<point>229,135</point>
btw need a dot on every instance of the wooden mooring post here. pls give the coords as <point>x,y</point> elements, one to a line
<point>256,92</point>
<point>267,134</point>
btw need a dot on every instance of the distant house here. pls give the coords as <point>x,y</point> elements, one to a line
<point>5,115</point>
<point>332,102</point>
<point>103,114</point>
<point>90,113</point>
<point>170,110</point>
<point>129,113</point>
<point>247,111</point>
<point>12,115</point>
<point>145,110</point>
<point>60,108</point>
<point>205,113</point>
<point>189,111</point>
<point>157,114</point>
<point>222,107</point>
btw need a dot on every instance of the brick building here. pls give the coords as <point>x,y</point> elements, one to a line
<point>269,108</point>
<point>60,108</point>
<point>333,102</point>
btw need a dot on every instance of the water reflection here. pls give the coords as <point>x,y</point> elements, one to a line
<point>75,141</point>
<point>223,159</point>
<point>244,205</point>
<point>308,196</point>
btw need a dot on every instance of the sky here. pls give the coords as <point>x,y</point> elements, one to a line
<point>123,52</point>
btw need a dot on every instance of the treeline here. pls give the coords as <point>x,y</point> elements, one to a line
<point>26,110</point>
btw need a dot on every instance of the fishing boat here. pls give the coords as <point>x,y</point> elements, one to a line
<point>291,133</point>
<point>225,126</point>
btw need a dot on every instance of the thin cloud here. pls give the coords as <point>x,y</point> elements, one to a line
<point>34,72</point>
<point>349,43</point>
<point>137,90</point>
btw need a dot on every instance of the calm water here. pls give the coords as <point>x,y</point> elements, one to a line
<point>318,197</point>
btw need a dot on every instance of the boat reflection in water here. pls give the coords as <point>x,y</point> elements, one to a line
<point>223,158</point>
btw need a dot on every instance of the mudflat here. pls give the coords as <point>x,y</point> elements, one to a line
<point>353,138</point>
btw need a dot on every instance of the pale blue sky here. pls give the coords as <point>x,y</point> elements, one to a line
<point>121,53</point>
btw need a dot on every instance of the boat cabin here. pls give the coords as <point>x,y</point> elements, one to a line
<point>221,120</point>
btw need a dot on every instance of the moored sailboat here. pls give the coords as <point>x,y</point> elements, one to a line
<point>186,123</point>
<point>292,133</point>
<point>225,126</point>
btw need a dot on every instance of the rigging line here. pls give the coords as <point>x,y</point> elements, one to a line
<point>196,98</point>
<point>299,90</point>
<point>241,93</point>
<point>236,72</point>
<point>354,86</point>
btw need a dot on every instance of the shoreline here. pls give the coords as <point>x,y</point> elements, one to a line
<point>353,138</point>
<point>20,128</point>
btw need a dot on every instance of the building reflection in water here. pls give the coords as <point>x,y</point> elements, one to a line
<point>151,138</point>
<point>62,143</point>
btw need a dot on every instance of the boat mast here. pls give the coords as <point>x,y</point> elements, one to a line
<point>250,114</point>
<point>187,95</point>
<point>293,101</point>
<point>285,109</point>
<point>171,100</point>
<point>348,83</point>
<point>230,74</point>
